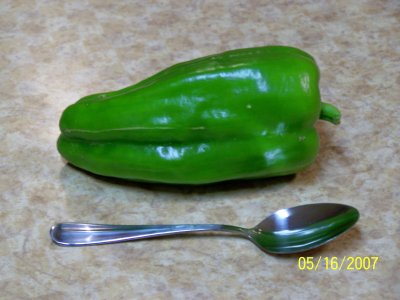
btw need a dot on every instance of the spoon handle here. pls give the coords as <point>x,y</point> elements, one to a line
<point>84,234</point>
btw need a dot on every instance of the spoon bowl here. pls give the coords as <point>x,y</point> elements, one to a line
<point>289,230</point>
<point>302,228</point>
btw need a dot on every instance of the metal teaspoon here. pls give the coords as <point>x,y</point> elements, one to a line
<point>288,230</point>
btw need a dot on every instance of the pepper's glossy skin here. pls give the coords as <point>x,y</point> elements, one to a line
<point>245,113</point>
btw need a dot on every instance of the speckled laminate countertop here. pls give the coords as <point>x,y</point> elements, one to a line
<point>53,53</point>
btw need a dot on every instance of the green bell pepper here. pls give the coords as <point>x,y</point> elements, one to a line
<point>245,113</point>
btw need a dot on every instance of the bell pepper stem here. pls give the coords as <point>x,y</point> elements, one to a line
<point>330,113</point>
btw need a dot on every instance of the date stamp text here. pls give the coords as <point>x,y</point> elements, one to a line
<point>349,263</point>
